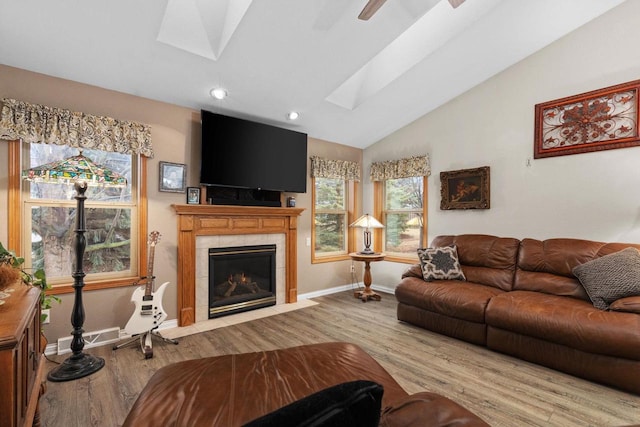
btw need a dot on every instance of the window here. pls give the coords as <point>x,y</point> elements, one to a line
<point>48,213</point>
<point>334,184</point>
<point>400,200</point>
<point>404,216</point>
<point>330,217</point>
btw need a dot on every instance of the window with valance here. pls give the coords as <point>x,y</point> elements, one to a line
<point>115,234</point>
<point>400,200</point>
<point>334,188</point>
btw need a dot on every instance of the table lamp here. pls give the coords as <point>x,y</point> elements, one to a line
<point>367,222</point>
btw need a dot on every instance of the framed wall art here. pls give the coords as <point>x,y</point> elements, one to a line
<point>465,189</point>
<point>173,177</point>
<point>602,119</point>
<point>193,195</point>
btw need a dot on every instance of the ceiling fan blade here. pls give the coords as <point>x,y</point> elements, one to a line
<point>370,9</point>
<point>455,3</point>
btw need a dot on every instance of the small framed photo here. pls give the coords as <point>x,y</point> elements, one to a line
<point>173,177</point>
<point>193,195</point>
<point>465,189</point>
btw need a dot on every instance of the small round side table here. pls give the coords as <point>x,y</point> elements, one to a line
<point>367,294</point>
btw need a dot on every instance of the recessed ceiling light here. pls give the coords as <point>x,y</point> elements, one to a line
<point>293,115</point>
<point>218,93</point>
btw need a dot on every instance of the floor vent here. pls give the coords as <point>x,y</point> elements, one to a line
<point>91,339</point>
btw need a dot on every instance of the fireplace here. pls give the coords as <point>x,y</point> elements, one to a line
<point>201,227</point>
<point>241,278</point>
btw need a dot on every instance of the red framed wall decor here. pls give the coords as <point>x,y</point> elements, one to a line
<point>602,119</point>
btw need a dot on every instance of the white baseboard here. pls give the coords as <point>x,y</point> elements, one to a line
<point>343,288</point>
<point>91,339</point>
<point>98,338</point>
<point>385,289</point>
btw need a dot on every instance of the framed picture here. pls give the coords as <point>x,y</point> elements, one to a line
<point>193,195</point>
<point>173,177</point>
<point>465,189</point>
<point>593,121</point>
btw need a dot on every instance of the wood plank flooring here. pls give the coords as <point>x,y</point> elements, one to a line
<point>502,390</point>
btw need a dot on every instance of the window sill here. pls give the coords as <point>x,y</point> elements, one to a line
<point>330,258</point>
<point>402,259</point>
<point>95,285</point>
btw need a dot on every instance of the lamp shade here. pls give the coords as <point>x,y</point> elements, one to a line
<point>366,221</point>
<point>75,168</point>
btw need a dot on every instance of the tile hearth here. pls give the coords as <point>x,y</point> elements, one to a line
<point>234,319</point>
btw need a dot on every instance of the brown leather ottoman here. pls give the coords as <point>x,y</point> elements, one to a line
<point>232,390</point>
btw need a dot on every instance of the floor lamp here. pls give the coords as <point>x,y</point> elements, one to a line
<point>82,172</point>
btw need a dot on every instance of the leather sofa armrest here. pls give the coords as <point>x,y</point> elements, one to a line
<point>413,271</point>
<point>627,304</point>
<point>428,409</point>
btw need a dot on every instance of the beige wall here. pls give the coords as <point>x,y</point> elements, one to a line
<point>591,196</point>
<point>175,134</point>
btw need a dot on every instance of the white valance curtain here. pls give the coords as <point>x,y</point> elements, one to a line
<point>34,123</point>
<point>341,169</point>
<point>403,168</point>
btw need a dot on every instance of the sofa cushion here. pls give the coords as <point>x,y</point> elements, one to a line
<point>440,263</point>
<point>351,404</point>
<point>611,277</point>
<point>458,299</point>
<point>485,259</point>
<point>567,321</point>
<point>547,265</point>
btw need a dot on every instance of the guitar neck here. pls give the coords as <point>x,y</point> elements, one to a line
<point>148,289</point>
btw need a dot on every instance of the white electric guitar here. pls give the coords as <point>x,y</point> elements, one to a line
<point>148,314</point>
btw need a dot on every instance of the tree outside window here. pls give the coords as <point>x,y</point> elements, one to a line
<point>111,218</point>
<point>330,216</point>
<point>404,215</point>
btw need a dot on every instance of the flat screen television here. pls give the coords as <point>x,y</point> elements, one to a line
<point>244,154</point>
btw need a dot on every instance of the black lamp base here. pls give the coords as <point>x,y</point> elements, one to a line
<point>76,366</point>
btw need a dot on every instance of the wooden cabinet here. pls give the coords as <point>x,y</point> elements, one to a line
<point>21,359</point>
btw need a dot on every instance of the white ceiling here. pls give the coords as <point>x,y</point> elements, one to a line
<point>352,81</point>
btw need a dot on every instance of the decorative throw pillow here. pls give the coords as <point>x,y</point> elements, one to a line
<point>610,277</point>
<point>440,263</point>
<point>350,404</point>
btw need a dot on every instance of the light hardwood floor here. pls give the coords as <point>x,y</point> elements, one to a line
<point>502,390</point>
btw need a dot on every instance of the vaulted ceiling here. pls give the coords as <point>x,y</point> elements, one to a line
<point>352,81</point>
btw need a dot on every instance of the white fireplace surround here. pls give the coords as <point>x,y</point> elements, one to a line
<point>203,243</point>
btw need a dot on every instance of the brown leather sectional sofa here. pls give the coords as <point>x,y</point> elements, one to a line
<point>521,298</point>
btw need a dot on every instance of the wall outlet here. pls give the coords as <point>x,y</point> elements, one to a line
<point>352,268</point>
<point>308,241</point>
<point>47,319</point>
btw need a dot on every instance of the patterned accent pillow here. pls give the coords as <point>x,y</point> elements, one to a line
<point>440,263</point>
<point>610,277</point>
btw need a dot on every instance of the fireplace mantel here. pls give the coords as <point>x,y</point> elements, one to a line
<point>211,220</point>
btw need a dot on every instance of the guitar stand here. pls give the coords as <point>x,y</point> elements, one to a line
<point>146,342</point>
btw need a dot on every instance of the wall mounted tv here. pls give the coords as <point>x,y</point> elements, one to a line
<point>249,155</point>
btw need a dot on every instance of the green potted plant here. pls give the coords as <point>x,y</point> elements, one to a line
<point>11,270</point>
